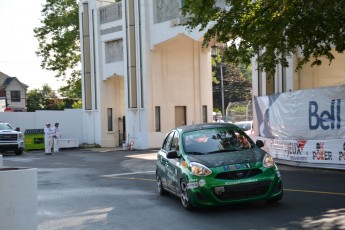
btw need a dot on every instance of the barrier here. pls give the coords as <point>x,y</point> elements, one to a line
<point>18,189</point>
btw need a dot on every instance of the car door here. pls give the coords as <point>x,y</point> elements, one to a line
<point>162,161</point>
<point>174,165</point>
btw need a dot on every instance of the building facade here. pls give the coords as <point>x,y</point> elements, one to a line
<point>143,73</point>
<point>288,79</point>
<point>12,94</point>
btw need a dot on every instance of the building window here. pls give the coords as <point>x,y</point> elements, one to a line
<point>204,113</point>
<point>180,115</point>
<point>94,60</point>
<point>15,96</point>
<point>110,119</point>
<point>259,71</point>
<point>158,118</point>
<point>114,51</point>
<point>165,10</point>
<point>110,13</point>
<point>270,83</point>
<point>283,79</point>
<point>259,83</point>
<point>86,58</point>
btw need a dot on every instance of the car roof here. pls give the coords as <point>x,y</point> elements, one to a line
<point>189,128</point>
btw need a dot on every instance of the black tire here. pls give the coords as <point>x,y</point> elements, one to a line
<point>184,195</point>
<point>18,152</point>
<point>160,188</point>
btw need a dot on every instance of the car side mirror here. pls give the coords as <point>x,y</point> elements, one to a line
<point>172,154</point>
<point>18,129</point>
<point>260,143</point>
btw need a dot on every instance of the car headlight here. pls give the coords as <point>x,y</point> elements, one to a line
<point>268,161</point>
<point>199,169</point>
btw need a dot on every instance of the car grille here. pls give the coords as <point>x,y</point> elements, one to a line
<point>242,191</point>
<point>8,137</point>
<point>240,174</point>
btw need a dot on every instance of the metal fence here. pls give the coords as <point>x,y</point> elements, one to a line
<point>239,111</point>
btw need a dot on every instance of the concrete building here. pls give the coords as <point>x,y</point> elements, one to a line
<point>287,79</point>
<point>143,73</point>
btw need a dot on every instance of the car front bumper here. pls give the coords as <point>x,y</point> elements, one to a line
<point>205,192</point>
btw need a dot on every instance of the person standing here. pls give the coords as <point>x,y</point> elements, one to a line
<point>48,135</point>
<point>57,136</point>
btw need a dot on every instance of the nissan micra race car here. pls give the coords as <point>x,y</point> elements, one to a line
<point>216,164</point>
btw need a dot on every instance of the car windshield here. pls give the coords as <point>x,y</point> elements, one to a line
<point>244,126</point>
<point>4,126</point>
<point>215,140</point>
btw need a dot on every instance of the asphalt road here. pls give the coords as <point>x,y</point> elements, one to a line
<point>115,189</point>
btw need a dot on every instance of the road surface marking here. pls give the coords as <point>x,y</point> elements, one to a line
<point>311,191</point>
<point>120,176</point>
<point>125,174</point>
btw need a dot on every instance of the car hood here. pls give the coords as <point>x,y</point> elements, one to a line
<point>8,131</point>
<point>228,158</point>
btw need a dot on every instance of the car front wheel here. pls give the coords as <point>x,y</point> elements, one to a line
<point>184,195</point>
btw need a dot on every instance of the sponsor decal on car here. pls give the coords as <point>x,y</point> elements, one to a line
<point>161,166</point>
<point>192,185</point>
<point>184,164</point>
<point>241,181</point>
<point>236,167</point>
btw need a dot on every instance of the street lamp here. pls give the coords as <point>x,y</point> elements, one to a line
<point>214,53</point>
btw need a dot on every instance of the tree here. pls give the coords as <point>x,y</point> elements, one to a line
<point>47,92</point>
<point>72,90</point>
<point>272,28</point>
<point>58,38</point>
<point>44,99</point>
<point>34,100</point>
<point>236,87</point>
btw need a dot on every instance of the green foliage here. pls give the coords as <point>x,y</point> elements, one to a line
<point>44,99</point>
<point>47,92</point>
<point>72,89</point>
<point>34,100</point>
<point>54,104</point>
<point>246,71</point>
<point>77,104</point>
<point>240,108</point>
<point>274,27</point>
<point>236,87</point>
<point>58,38</point>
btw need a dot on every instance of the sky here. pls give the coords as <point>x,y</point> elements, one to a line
<point>18,18</point>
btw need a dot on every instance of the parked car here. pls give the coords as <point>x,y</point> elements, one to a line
<point>246,126</point>
<point>11,139</point>
<point>216,164</point>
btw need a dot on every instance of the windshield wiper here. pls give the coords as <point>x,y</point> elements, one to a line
<point>223,150</point>
<point>195,153</point>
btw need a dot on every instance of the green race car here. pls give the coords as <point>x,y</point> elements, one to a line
<point>216,164</point>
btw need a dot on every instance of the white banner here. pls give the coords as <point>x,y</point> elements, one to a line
<point>307,151</point>
<point>310,114</point>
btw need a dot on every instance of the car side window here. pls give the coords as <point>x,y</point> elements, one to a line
<point>175,141</point>
<point>167,142</point>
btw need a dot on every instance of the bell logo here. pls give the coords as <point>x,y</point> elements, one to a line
<point>324,119</point>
